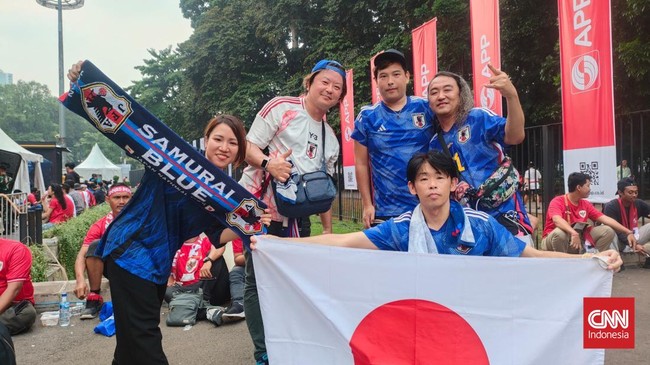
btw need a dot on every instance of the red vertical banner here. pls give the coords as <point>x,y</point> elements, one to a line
<point>346,110</point>
<point>425,56</point>
<point>376,96</point>
<point>486,48</point>
<point>588,94</point>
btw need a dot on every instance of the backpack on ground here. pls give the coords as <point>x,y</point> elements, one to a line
<point>183,308</point>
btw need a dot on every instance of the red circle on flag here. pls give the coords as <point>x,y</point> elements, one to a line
<point>416,331</point>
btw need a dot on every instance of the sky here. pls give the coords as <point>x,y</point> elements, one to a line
<point>113,34</point>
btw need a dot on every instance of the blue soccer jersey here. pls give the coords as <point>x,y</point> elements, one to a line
<point>477,148</point>
<point>149,230</point>
<point>466,232</point>
<point>392,138</point>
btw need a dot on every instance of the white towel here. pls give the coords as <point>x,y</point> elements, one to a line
<point>420,238</point>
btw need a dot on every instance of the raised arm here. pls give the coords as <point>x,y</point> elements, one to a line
<point>612,257</point>
<point>514,133</point>
<point>350,240</point>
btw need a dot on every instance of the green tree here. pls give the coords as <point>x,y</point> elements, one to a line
<point>243,53</point>
<point>530,56</point>
<point>631,39</point>
<point>29,112</point>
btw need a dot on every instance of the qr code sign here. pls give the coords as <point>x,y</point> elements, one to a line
<point>591,169</point>
<point>350,176</point>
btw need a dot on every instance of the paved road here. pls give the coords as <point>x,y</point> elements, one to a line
<point>230,344</point>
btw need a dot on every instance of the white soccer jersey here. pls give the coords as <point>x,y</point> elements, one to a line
<point>282,124</point>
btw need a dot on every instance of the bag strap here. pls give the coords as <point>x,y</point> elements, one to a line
<point>265,184</point>
<point>444,143</point>
<point>323,162</point>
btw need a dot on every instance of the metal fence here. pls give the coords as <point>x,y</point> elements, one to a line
<point>543,146</point>
<point>17,221</point>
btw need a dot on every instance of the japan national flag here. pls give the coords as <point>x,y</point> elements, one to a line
<point>329,305</point>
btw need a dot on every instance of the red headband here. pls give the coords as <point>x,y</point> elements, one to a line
<point>118,189</point>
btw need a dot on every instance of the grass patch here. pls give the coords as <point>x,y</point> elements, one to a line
<point>337,226</point>
<point>39,263</point>
<point>72,233</point>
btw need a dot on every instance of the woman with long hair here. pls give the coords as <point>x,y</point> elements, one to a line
<point>56,206</point>
<point>139,245</point>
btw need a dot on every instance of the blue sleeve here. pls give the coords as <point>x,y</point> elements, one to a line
<point>359,134</point>
<point>389,236</point>
<point>494,127</point>
<point>503,243</point>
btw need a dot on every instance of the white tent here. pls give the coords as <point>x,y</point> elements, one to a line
<point>97,163</point>
<point>22,177</point>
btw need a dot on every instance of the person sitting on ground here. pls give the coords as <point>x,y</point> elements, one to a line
<point>17,311</point>
<point>94,179</point>
<point>89,197</point>
<point>440,225</point>
<point>626,210</point>
<point>197,264</point>
<point>100,195</point>
<point>78,199</point>
<point>236,309</point>
<point>87,260</point>
<point>566,210</point>
<point>34,197</point>
<point>66,192</point>
<point>57,208</point>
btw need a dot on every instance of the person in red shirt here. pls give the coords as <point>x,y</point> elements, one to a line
<point>34,197</point>
<point>56,207</point>
<point>17,311</point>
<point>564,211</point>
<point>118,196</point>
<point>88,196</point>
<point>197,264</point>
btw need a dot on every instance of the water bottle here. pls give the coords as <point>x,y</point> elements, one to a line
<point>64,311</point>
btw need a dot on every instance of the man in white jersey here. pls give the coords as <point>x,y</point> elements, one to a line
<point>532,179</point>
<point>293,129</point>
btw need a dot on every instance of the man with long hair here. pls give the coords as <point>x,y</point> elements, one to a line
<point>476,139</point>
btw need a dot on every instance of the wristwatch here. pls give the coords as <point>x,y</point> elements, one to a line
<point>206,259</point>
<point>265,162</point>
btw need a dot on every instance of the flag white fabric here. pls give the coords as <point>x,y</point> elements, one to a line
<point>522,310</point>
